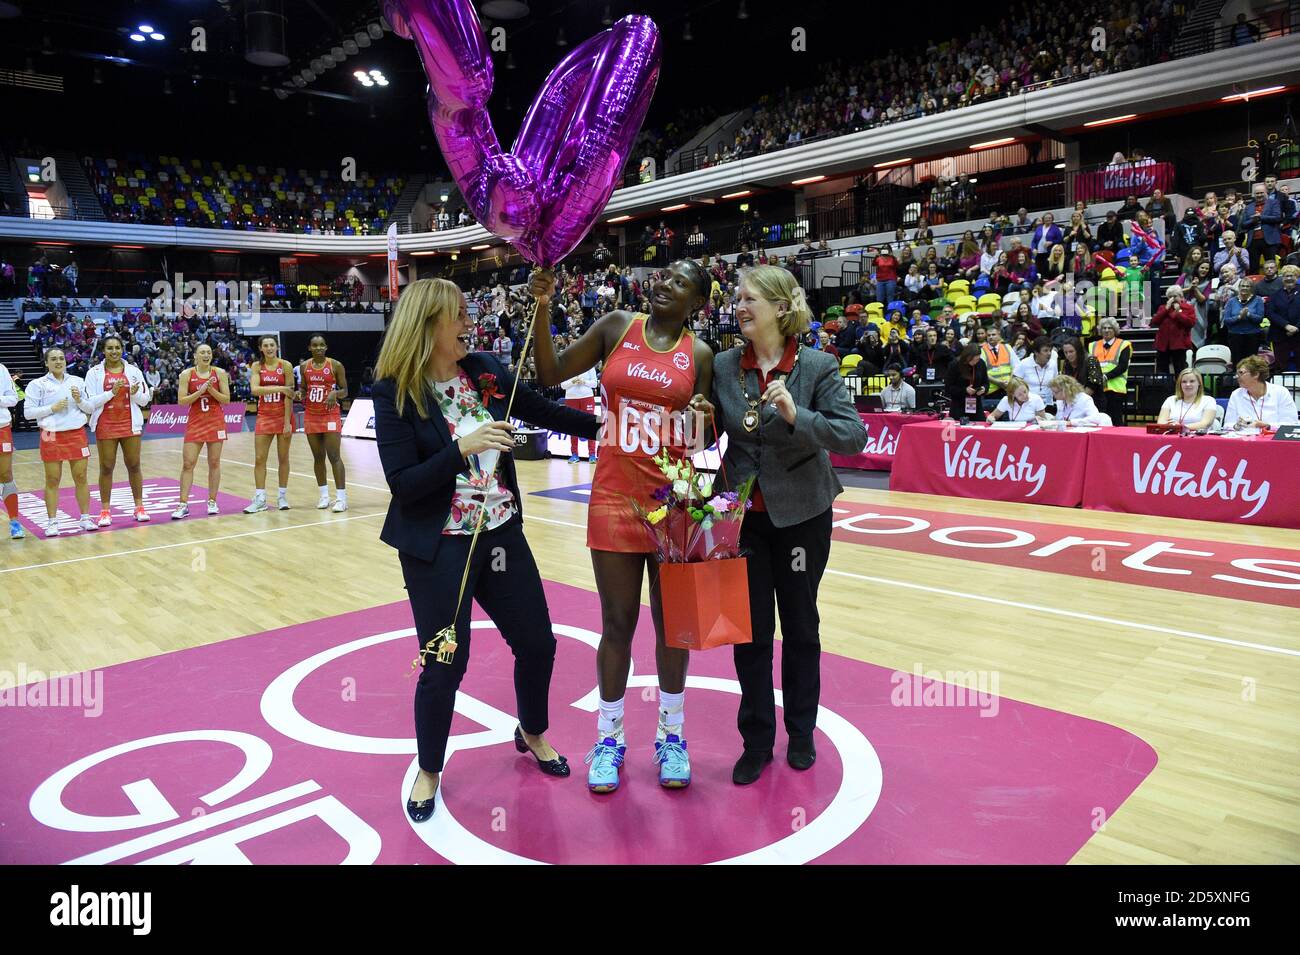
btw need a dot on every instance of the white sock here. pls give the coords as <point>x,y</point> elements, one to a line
<point>259,494</point>
<point>343,494</point>
<point>324,491</point>
<point>284,492</point>
<point>672,713</point>
<point>610,720</point>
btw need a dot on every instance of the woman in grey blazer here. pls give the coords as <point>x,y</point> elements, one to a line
<point>782,407</point>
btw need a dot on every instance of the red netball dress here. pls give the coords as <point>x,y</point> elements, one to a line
<point>115,418</point>
<point>270,408</point>
<point>207,420</point>
<point>644,394</point>
<point>317,383</point>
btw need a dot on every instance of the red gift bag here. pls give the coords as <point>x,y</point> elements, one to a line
<point>705,604</point>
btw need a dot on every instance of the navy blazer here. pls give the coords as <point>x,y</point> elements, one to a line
<point>421,461</point>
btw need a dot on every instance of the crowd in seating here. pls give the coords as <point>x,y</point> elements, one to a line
<point>161,346</point>
<point>1031,46</point>
<point>165,190</point>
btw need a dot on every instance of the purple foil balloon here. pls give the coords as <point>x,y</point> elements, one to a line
<point>546,193</point>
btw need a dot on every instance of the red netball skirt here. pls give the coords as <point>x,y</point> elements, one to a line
<point>114,430</point>
<point>204,432</point>
<point>6,440</point>
<point>272,423</point>
<point>64,445</point>
<point>323,424</point>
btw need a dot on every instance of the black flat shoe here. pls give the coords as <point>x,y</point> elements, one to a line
<point>422,810</point>
<point>749,767</point>
<point>551,767</point>
<point>801,754</point>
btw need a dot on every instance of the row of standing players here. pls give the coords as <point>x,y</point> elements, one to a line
<point>110,402</point>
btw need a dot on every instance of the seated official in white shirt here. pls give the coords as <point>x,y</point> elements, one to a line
<point>1038,368</point>
<point>1258,403</point>
<point>1018,404</point>
<point>1189,406</point>
<point>1073,406</point>
<point>898,395</point>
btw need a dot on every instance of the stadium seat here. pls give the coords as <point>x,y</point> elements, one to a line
<point>1213,359</point>
<point>875,308</point>
<point>848,364</point>
<point>991,302</point>
<point>958,287</point>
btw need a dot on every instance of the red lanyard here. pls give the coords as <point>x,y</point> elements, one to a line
<point>1257,407</point>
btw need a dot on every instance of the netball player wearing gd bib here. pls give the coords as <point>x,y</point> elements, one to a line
<point>653,364</point>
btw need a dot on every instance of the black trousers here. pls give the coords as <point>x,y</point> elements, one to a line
<point>1243,346</point>
<point>1171,362</point>
<point>785,563</point>
<point>1113,405</point>
<point>503,578</point>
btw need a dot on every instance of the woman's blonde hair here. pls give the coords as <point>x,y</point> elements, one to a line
<point>1068,386</point>
<point>1200,383</point>
<point>408,342</point>
<point>1013,385</point>
<point>776,285</point>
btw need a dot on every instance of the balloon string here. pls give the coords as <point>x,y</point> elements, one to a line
<point>482,511</point>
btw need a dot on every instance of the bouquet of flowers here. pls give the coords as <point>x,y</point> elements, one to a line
<point>692,522</point>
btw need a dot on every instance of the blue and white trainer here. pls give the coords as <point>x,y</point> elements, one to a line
<point>16,530</point>
<point>605,759</point>
<point>674,763</point>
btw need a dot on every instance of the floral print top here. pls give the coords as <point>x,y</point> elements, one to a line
<point>464,412</point>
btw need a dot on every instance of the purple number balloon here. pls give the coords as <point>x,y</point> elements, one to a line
<point>546,193</point>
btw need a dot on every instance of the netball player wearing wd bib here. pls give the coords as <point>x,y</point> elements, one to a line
<point>118,391</point>
<point>8,489</point>
<point>324,385</point>
<point>205,390</point>
<point>59,404</point>
<point>653,365</point>
<point>270,381</point>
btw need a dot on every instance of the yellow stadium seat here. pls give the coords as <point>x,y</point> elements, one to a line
<point>991,302</point>
<point>958,287</point>
<point>848,363</point>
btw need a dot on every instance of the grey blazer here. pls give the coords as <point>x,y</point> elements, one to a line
<point>791,461</point>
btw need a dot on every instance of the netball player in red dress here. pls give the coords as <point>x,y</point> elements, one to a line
<point>324,385</point>
<point>653,364</point>
<point>118,391</point>
<point>271,380</point>
<point>8,489</point>
<point>205,390</point>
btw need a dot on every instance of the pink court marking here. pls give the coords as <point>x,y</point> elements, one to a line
<point>161,495</point>
<point>934,783</point>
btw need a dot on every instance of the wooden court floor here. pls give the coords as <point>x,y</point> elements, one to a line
<point>1227,785</point>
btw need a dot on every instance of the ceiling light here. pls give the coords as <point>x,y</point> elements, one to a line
<point>157,36</point>
<point>737,195</point>
<point>510,61</point>
<point>376,73</point>
<point>362,38</point>
<point>741,12</point>
<point>806,180</point>
<point>281,94</point>
<point>318,66</point>
<point>1247,95</point>
<point>350,47</point>
<point>375,30</point>
<point>680,205</point>
<point>994,142</point>
<point>137,37</point>
<point>442,197</point>
<point>359,74</point>
<point>618,219</point>
<point>479,248</point>
<point>383,82</point>
<point>337,53</point>
<point>145,28</point>
<point>1059,165</point>
<point>423,253</point>
<point>308,75</point>
<point>559,38</point>
<point>328,61</point>
<point>892,162</point>
<point>1113,119</point>
<point>686,34</point>
<point>606,18</point>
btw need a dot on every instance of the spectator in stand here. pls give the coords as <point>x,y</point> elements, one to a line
<point>897,395</point>
<point>963,196</point>
<point>1161,211</point>
<point>1021,224</point>
<point>885,266</point>
<point>1270,283</point>
<point>1258,402</point>
<point>1198,289</point>
<point>1189,406</point>
<point>848,337</point>
<point>697,243</point>
<point>923,235</point>
<point>1046,235</point>
<point>1113,354</point>
<point>969,257</point>
<point>1283,312</point>
<point>745,260</point>
<point>825,344</point>
<point>1231,254</point>
<point>1243,316</point>
<point>1174,320</point>
<point>503,348</point>
<point>966,383</point>
<point>1129,209</point>
<point>896,350</point>
<point>914,283</point>
<point>1110,235</point>
<point>1039,368</point>
<point>872,351</point>
<point>1259,225</point>
<point>1243,32</point>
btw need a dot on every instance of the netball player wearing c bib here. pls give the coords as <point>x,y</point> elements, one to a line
<point>205,390</point>
<point>118,391</point>
<point>59,404</point>
<point>270,379</point>
<point>324,385</point>
<point>8,489</point>
<point>653,365</point>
